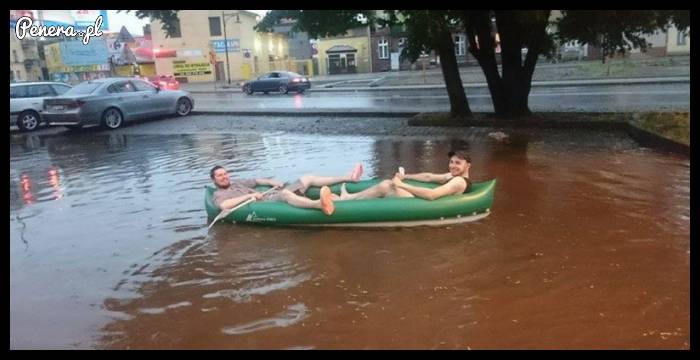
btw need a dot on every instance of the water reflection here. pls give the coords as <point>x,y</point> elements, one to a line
<point>119,244</point>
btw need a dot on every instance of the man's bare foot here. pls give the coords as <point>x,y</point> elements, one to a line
<point>356,173</point>
<point>327,205</point>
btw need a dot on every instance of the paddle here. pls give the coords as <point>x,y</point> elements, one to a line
<point>224,213</point>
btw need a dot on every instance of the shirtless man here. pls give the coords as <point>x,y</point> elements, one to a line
<point>231,193</point>
<point>454,182</point>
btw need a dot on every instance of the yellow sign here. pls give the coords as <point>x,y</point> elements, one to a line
<point>184,68</point>
<point>52,54</point>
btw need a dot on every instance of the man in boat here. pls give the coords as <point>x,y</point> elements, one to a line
<point>456,181</point>
<point>230,193</point>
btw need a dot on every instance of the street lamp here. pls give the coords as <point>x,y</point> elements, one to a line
<point>238,21</point>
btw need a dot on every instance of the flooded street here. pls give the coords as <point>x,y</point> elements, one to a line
<point>587,246</point>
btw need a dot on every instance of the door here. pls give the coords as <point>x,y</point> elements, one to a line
<point>131,103</point>
<point>155,102</point>
<point>259,83</point>
<point>268,82</point>
<point>394,61</point>
<point>220,75</point>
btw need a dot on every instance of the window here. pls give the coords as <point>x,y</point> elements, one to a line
<point>120,87</point>
<point>40,91</point>
<point>680,38</point>
<point>18,92</point>
<point>383,47</point>
<point>84,88</point>
<point>143,86</point>
<point>460,48</point>
<point>60,89</point>
<point>214,26</point>
<point>176,29</point>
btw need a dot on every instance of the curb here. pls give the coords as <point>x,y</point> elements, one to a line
<point>374,87</point>
<point>652,140</point>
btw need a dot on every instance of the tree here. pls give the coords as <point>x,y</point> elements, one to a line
<point>612,30</point>
<point>617,30</point>
<point>427,30</point>
<point>517,30</point>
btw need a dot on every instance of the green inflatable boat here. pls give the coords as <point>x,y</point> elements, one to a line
<point>386,212</point>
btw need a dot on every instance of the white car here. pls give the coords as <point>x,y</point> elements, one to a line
<point>27,102</point>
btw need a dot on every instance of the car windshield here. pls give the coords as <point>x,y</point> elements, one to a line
<point>83,88</point>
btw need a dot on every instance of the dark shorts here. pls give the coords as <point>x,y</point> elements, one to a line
<point>276,195</point>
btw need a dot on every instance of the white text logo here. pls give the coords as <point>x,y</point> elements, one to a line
<point>25,26</point>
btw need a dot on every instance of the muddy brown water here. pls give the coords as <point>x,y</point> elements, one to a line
<point>587,247</point>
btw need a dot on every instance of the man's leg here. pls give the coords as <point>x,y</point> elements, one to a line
<point>325,203</point>
<point>383,189</point>
<point>313,180</point>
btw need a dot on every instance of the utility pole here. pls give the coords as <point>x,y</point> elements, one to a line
<point>228,66</point>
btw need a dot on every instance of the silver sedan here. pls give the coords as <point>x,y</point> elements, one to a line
<point>112,101</point>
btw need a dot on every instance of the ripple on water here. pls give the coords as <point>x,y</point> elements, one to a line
<point>294,314</point>
<point>162,310</point>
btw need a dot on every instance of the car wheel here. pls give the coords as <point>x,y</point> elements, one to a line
<point>300,91</point>
<point>284,89</point>
<point>112,118</point>
<point>184,107</point>
<point>248,90</point>
<point>28,121</point>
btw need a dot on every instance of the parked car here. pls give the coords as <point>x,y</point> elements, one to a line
<point>112,101</point>
<point>164,82</point>
<point>27,101</point>
<point>282,81</point>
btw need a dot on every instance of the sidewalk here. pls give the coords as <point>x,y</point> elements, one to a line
<point>209,87</point>
<point>674,69</point>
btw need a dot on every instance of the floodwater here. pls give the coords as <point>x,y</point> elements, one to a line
<point>587,247</point>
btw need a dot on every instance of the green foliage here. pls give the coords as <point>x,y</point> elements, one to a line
<point>318,23</point>
<point>168,18</point>
<point>617,30</point>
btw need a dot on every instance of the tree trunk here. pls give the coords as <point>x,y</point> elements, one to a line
<point>517,77</point>
<point>479,25</point>
<point>513,76</point>
<point>459,107</point>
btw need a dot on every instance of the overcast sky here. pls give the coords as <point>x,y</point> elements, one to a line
<point>134,24</point>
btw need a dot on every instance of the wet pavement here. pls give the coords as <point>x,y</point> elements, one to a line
<point>589,98</point>
<point>109,246</point>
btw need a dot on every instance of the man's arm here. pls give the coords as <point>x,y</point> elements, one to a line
<point>233,202</point>
<point>429,177</point>
<point>453,187</point>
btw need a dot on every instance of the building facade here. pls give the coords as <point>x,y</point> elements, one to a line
<point>198,50</point>
<point>25,59</point>
<point>71,61</point>
<point>677,42</point>
<point>298,42</point>
<point>346,54</point>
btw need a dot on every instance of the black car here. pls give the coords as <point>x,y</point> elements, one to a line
<point>282,81</point>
